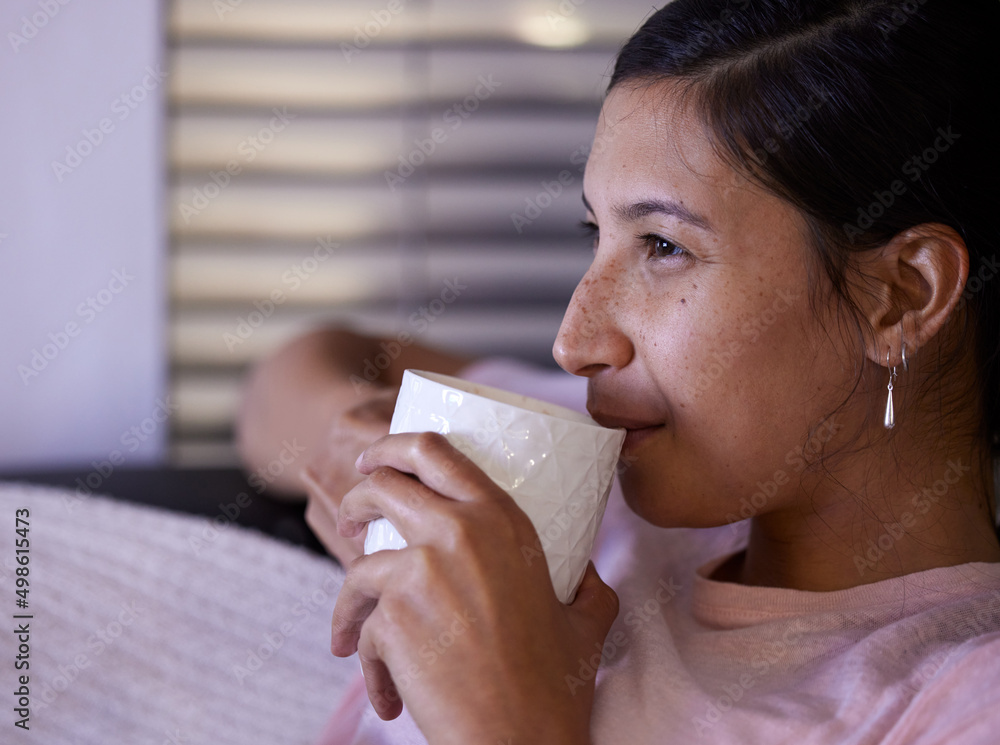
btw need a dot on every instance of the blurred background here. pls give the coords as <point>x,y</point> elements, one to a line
<point>187,184</point>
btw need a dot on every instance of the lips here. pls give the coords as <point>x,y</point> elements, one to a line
<point>619,422</point>
<point>635,437</point>
<point>637,430</point>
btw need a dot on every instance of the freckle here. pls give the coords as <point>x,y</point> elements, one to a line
<point>683,300</point>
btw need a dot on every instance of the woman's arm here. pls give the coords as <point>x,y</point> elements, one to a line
<point>296,395</point>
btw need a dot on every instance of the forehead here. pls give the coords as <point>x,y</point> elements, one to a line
<point>649,110</point>
<point>652,143</point>
<point>651,135</point>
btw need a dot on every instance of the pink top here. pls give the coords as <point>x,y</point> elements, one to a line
<point>912,660</point>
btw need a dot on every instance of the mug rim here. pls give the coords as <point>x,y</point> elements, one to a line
<point>507,398</point>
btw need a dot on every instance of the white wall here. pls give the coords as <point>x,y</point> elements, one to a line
<point>87,231</point>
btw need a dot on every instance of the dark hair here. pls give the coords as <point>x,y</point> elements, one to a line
<point>870,116</point>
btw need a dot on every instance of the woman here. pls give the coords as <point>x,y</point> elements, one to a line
<point>792,310</point>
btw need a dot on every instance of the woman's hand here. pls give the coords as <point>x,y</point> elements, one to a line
<point>462,625</point>
<point>332,472</point>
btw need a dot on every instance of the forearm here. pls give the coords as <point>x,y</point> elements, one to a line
<point>290,398</point>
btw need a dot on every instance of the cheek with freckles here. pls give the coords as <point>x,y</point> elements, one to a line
<point>742,392</point>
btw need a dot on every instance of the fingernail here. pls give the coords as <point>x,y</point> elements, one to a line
<point>357,463</point>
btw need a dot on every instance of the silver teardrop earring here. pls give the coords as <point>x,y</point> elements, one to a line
<point>890,411</point>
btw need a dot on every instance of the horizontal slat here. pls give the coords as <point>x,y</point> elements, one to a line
<point>204,452</point>
<point>294,78</point>
<point>511,208</point>
<point>299,20</point>
<point>307,145</point>
<point>311,275</point>
<point>206,402</point>
<point>216,339</point>
<point>200,207</point>
<point>294,278</point>
<point>371,145</point>
<point>543,272</point>
<point>548,22</point>
<point>248,207</point>
<point>319,79</point>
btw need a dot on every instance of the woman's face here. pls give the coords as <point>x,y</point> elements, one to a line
<point>694,325</point>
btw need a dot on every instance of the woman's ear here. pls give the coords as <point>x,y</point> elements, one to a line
<point>913,283</point>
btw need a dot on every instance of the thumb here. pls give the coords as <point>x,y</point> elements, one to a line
<point>596,605</point>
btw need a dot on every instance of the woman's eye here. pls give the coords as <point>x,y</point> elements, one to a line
<point>661,248</point>
<point>591,231</point>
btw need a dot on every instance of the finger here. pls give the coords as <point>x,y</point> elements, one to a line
<point>324,527</point>
<point>400,498</point>
<point>434,461</point>
<point>321,517</point>
<point>596,605</point>
<point>363,586</point>
<point>382,691</point>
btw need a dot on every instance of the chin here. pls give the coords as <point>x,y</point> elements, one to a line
<point>658,501</point>
<point>649,503</point>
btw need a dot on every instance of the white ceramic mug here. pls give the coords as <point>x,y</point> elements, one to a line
<point>557,464</point>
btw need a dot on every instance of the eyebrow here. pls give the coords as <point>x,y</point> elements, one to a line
<point>638,210</point>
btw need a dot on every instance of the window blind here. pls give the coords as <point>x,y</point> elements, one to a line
<point>393,165</point>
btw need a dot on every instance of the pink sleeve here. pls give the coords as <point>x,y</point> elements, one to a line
<point>961,703</point>
<point>343,726</point>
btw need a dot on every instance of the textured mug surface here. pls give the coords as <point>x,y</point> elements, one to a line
<point>557,464</point>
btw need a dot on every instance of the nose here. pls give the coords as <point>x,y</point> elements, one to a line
<point>590,338</point>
